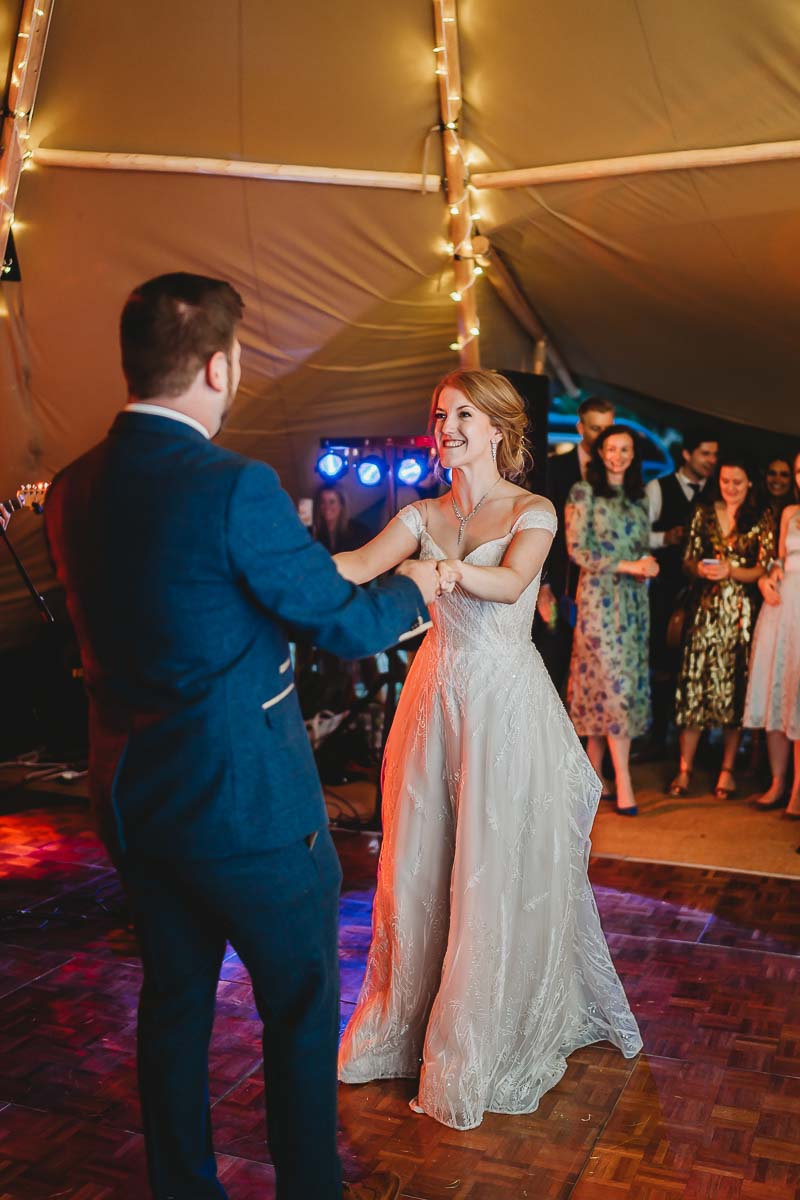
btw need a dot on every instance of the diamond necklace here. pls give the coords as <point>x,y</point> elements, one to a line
<point>469,515</point>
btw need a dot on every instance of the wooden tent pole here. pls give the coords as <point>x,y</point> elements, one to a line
<point>639,164</point>
<point>34,23</point>
<point>96,160</point>
<point>448,71</point>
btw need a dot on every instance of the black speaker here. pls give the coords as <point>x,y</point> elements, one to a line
<point>535,392</point>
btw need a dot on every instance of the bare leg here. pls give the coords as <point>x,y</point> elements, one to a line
<point>726,784</point>
<point>595,749</point>
<point>793,807</point>
<point>778,747</point>
<point>689,741</point>
<point>620,748</point>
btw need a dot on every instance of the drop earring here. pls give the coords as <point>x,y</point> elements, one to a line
<point>494,452</point>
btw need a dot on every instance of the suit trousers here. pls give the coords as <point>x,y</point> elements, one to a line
<point>279,911</point>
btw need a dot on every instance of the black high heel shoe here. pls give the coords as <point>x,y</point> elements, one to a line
<point>676,789</point>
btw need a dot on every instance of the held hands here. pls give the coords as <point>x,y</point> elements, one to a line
<point>451,572</point>
<point>424,575</point>
<point>432,578</point>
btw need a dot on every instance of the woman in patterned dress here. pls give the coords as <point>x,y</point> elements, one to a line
<point>728,547</point>
<point>608,533</point>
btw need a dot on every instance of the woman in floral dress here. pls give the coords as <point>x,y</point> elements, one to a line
<point>726,553</point>
<point>608,534</point>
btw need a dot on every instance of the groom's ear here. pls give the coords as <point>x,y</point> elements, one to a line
<point>217,371</point>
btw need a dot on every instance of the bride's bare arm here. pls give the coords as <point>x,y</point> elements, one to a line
<point>505,584</point>
<point>393,545</point>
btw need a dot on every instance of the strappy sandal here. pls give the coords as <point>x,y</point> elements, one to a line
<point>725,793</point>
<point>676,788</point>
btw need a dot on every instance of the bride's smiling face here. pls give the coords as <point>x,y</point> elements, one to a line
<point>463,432</point>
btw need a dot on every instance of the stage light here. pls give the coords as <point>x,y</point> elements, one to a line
<point>371,471</point>
<point>411,469</point>
<point>332,465</point>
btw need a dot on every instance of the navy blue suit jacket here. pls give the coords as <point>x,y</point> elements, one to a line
<point>182,563</point>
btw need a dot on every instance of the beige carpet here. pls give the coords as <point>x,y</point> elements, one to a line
<point>699,831</point>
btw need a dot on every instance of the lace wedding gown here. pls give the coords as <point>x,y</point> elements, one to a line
<point>488,965</point>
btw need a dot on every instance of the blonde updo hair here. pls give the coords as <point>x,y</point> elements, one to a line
<point>493,394</point>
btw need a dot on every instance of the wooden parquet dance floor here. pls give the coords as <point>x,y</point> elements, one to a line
<point>710,1109</point>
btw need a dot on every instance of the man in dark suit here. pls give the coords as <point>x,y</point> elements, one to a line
<point>183,564</point>
<point>553,631</point>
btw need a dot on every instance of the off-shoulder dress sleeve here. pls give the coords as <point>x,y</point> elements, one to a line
<point>536,518</point>
<point>412,519</point>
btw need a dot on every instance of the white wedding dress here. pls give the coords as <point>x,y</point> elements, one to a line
<point>488,965</point>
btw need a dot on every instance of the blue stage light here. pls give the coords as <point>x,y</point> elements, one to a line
<point>331,465</point>
<point>411,469</point>
<point>371,471</point>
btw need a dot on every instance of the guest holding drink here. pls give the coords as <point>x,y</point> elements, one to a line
<point>773,693</point>
<point>608,534</point>
<point>728,547</point>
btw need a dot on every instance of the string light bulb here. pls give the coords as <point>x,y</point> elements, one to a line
<point>475,330</point>
<point>455,296</point>
<point>455,345</point>
<point>477,269</point>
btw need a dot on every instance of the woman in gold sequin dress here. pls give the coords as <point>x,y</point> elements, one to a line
<point>728,547</point>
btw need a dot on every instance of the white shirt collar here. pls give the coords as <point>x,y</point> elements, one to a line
<point>158,410</point>
<point>688,484</point>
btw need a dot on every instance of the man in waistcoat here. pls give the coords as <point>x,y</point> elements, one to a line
<point>671,501</point>
<point>185,566</point>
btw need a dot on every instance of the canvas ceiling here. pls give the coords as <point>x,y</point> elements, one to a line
<point>680,285</point>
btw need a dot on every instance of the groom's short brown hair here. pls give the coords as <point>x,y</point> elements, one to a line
<point>171,326</point>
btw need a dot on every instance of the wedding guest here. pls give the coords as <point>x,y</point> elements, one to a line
<point>778,486</point>
<point>671,501</point>
<point>608,534</point>
<point>728,546</point>
<point>556,604</point>
<point>331,525</point>
<point>773,693</point>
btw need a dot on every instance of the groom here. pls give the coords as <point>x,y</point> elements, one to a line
<point>184,564</point>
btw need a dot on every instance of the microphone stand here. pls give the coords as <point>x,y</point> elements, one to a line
<point>38,599</point>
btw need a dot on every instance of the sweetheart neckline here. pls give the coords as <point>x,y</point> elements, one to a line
<point>474,550</point>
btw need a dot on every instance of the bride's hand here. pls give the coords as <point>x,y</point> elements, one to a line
<point>450,573</point>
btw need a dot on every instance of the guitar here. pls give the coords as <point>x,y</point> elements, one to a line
<point>29,495</point>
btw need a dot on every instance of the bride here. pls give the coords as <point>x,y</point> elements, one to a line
<point>487,965</point>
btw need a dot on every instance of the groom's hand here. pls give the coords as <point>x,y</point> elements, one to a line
<point>424,575</point>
